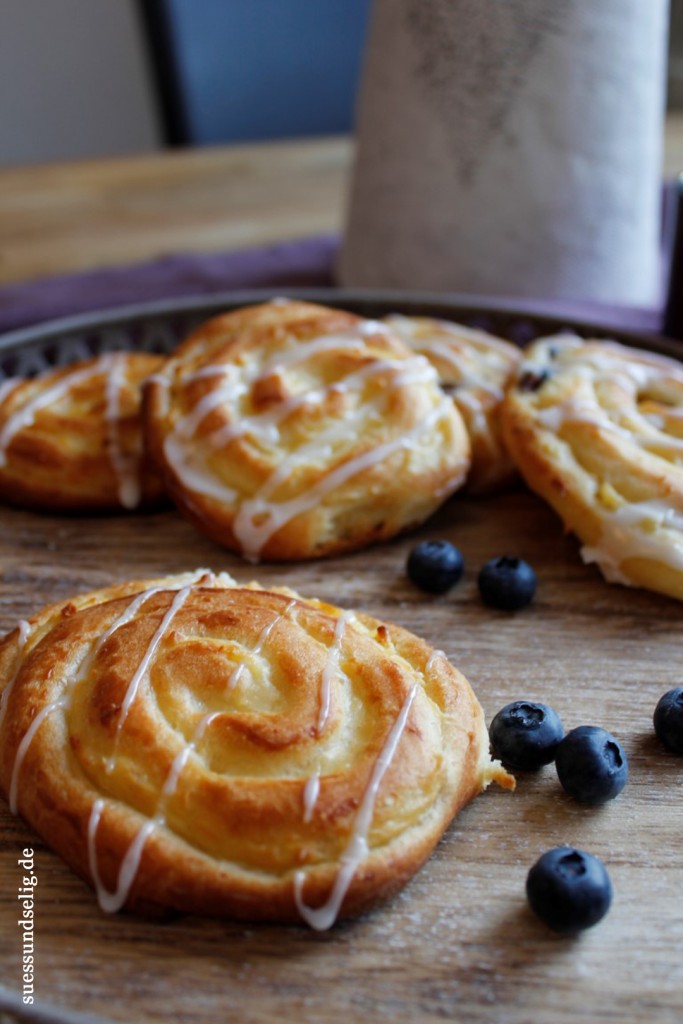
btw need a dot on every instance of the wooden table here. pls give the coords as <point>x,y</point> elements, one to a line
<point>459,943</point>
<point>75,216</point>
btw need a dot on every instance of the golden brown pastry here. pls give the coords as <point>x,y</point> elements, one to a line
<point>71,439</point>
<point>291,431</point>
<point>475,367</point>
<point>192,744</point>
<point>596,428</point>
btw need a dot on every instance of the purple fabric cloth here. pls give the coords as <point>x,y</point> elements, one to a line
<point>307,263</point>
<point>623,318</point>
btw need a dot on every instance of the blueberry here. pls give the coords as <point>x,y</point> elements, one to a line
<point>507,583</point>
<point>525,735</point>
<point>569,889</point>
<point>668,720</point>
<point>435,565</point>
<point>591,765</point>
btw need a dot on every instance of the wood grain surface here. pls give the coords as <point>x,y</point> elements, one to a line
<point>58,218</point>
<point>459,943</point>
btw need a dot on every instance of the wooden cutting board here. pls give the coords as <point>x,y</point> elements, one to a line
<point>459,943</point>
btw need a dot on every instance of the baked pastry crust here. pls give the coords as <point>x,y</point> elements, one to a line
<point>71,439</point>
<point>596,429</point>
<point>192,744</point>
<point>475,367</point>
<point>292,431</point>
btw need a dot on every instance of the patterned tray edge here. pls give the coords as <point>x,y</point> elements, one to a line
<point>160,326</point>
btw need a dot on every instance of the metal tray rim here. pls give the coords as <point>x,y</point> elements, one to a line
<point>535,320</point>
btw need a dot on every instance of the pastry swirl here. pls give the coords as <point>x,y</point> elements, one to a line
<point>475,367</point>
<point>71,439</point>
<point>189,743</point>
<point>292,431</point>
<point>596,428</point>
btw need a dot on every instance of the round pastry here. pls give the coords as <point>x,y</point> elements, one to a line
<point>191,744</point>
<point>291,431</point>
<point>71,439</point>
<point>475,368</point>
<point>596,429</point>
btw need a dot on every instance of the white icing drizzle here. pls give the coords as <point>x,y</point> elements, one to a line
<point>25,416</point>
<point>466,378</point>
<point>258,518</point>
<point>201,575</point>
<point>356,850</point>
<point>577,410</point>
<point>134,685</point>
<point>230,390</point>
<point>180,760</point>
<point>623,538</point>
<point>651,529</point>
<point>7,385</point>
<point>61,702</point>
<point>235,387</point>
<point>303,351</point>
<point>211,370</point>
<point>331,669</point>
<point>672,413</point>
<point>369,327</point>
<point>22,749</point>
<point>111,902</point>
<point>311,794</point>
<point>239,669</point>
<point>357,846</point>
<point>444,342</point>
<point>433,658</point>
<point>263,426</point>
<point>194,476</point>
<point>156,378</point>
<point>126,465</point>
<point>475,407</point>
<point>24,628</point>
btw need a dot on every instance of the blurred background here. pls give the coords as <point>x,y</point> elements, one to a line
<point>89,78</point>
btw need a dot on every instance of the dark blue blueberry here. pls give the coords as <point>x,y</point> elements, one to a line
<point>591,765</point>
<point>435,565</point>
<point>668,720</point>
<point>507,583</point>
<point>569,889</point>
<point>525,735</point>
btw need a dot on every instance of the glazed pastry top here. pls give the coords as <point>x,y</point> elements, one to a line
<point>293,430</point>
<point>72,438</point>
<point>269,746</point>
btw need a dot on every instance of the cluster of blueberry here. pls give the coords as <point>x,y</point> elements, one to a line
<point>568,889</point>
<point>505,582</point>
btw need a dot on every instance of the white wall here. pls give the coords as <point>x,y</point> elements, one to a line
<point>73,81</point>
